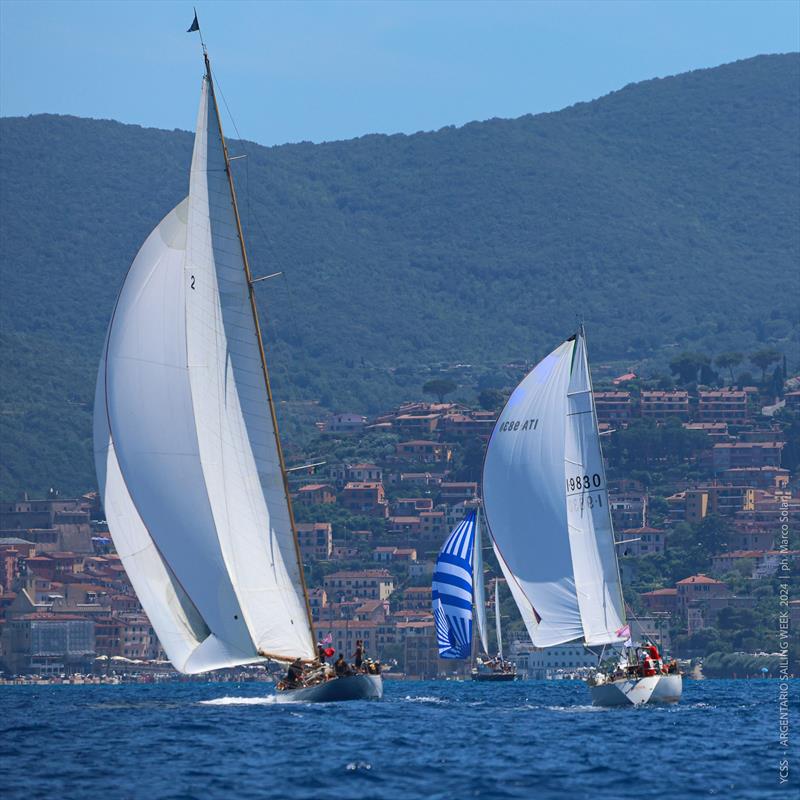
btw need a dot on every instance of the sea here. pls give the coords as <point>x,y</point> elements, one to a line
<point>425,739</point>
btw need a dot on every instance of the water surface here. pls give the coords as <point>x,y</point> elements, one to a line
<point>429,740</point>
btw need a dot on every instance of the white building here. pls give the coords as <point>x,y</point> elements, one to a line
<point>550,662</point>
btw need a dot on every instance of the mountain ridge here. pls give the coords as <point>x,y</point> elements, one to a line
<point>660,205</point>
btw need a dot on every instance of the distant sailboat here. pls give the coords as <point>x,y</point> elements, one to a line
<point>187,451</point>
<point>457,589</point>
<point>546,504</point>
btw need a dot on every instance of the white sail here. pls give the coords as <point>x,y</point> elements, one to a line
<point>591,535</point>
<point>523,604</point>
<point>525,501</point>
<point>546,501</point>
<point>478,588</point>
<point>191,459</point>
<point>498,629</point>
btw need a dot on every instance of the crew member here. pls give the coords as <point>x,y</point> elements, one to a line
<point>294,675</point>
<point>358,656</point>
<point>340,666</point>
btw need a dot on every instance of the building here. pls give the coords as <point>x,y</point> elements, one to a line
<point>723,405</point>
<point>424,451</point>
<point>411,506</point>
<point>660,601</point>
<point>392,553</point>
<point>451,494</point>
<point>759,477</point>
<point>433,526</point>
<point>718,499</point>
<point>697,588</point>
<point>43,644</point>
<point>365,497</point>
<point>316,540</point>
<point>417,598</point>
<point>416,426</point>
<point>56,523</point>
<point>640,542</point>
<point>368,584</point>
<point>420,648</point>
<point>403,526</point>
<point>614,408</point>
<point>317,602</point>
<point>663,406</point>
<point>316,494</point>
<point>758,563</point>
<point>628,509</point>
<point>727,455</point>
<point>361,473</point>
<point>345,424</point>
<point>544,663</point>
<point>716,431</point>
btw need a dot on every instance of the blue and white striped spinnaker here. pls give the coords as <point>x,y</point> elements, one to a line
<point>452,590</point>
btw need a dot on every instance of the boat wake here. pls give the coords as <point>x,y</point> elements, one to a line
<point>268,700</point>
<point>425,699</point>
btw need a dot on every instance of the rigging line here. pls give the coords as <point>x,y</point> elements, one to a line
<point>253,217</point>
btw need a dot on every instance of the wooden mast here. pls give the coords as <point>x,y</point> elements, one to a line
<point>262,352</point>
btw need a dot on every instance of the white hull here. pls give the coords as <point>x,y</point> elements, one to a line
<point>638,691</point>
<point>351,687</point>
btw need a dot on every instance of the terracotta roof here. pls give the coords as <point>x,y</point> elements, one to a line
<point>660,593</point>
<point>699,579</point>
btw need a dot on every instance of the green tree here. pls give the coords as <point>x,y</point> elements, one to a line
<point>439,387</point>
<point>687,365</point>
<point>729,361</point>
<point>763,359</point>
<point>491,399</point>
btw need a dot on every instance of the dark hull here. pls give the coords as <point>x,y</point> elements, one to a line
<point>338,690</point>
<point>494,677</point>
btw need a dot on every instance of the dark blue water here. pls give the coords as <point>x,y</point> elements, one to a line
<point>424,740</point>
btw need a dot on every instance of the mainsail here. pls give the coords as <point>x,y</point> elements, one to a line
<point>186,447</point>
<point>546,503</point>
<point>452,590</point>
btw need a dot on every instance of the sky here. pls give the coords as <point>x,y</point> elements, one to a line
<point>321,71</point>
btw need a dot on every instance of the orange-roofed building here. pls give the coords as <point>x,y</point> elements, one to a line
<point>699,587</point>
<point>316,494</point>
<point>662,600</point>
<point>365,497</point>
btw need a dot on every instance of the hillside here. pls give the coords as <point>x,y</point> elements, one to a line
<point>665,214</point>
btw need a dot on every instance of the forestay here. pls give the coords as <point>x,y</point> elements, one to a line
<point>187,453</point>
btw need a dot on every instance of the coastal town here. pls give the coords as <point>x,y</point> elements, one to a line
<point>703,495</point>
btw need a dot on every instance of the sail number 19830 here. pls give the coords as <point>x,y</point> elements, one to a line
<point>582,483</point>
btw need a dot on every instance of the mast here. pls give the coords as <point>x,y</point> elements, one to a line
<point>261,350</point>
<point>497,618</point>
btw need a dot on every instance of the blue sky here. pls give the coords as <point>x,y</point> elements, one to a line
<point>332,70</point>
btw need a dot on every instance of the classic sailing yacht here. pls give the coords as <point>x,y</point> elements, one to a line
<point>187,451</point>
<point>457,588</point>
<point>546,505</point>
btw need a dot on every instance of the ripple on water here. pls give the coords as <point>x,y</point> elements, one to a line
<point>432,740</point>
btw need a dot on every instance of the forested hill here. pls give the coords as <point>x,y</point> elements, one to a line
<point>665,214</point>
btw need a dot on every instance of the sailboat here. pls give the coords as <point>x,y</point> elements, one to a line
<point>457,588</point>
<point>495,668</point>
<point>187,451</point>
<point>546,504</point>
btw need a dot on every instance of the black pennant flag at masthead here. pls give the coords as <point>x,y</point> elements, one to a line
<point>195,26</point>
